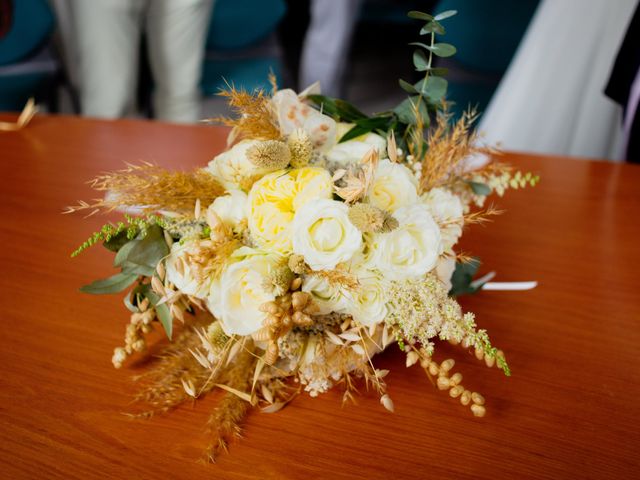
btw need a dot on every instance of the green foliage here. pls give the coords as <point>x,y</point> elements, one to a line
<point>113,284</point>
<point>463,277</point>
<point>115,236</point>
<point>479,188</point>
<point>425,97</point>
<point>162,310</point>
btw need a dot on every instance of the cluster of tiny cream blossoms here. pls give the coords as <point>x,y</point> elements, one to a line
<point>134,340</point>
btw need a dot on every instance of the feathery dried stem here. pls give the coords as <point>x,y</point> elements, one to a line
<point>254,115</point>
<point>225,419</point>
<point>448,147</point>
<point>152,188</point>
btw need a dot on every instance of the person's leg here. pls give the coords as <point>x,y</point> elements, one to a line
<point>177,31</point>
<point>326,45</point>
<point>107,42</point>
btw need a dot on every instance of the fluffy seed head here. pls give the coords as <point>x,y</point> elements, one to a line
<point>279,280</point>
<point>272,154</point>
<point>370,219</point>
<point>301,148</point>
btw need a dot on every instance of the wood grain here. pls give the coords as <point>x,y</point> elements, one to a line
<point>570,409</point>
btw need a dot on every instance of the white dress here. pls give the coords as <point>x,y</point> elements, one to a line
<point>551,99</point>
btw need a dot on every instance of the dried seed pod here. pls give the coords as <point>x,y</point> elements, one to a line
<point>456,391</point>
<point>386,402</point>
<point>299,300</point>
<point>478,410</point>
<point>477,398</point>
<point>447,364</point>
<point>296,283</point>
<point>465,398</point>
<point>412,358</point>
<point>434,369</point>
<point>443,383</point>
<point>455,379</point>
<point>490,361</point>
<point>271,356</point>
<point>479,352</point>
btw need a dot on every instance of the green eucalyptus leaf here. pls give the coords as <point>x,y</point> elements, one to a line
<point>434,88</point>
<point>419,15</point>
<point>116,242</point>
<point>463,276</point>
<point>407,87</point>
<point>480,188</point>
<point>130,267</point>
<point>149,250</point>
<point>433,27</point>
<point>406,110</point>
<point>443,49</point>
<point>445,14</point>
<point>420,61</point>
<point>123,253</point>
<point>114,284</point>
<point>164,315</point>
<point>438,71</point>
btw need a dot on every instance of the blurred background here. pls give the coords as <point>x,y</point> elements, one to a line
<point>552,76</point>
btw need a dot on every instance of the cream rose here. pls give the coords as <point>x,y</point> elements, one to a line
<point>293,113</point>
<point>274,200</point>
<point>352,151</point>
<point>231,208</point>
<point>323,234</point>
<point>409,251</point>
<point>185,281</point>
<point>446,208</point>
<point>233,167</point>
<point>393,187</point>
<point>235,298</point>
<point>329,298</point>
<point>368,304</point>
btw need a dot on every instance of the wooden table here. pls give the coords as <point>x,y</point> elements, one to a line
<point>571,408</point>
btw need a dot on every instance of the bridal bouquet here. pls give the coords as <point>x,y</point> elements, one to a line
<point>319,238</point>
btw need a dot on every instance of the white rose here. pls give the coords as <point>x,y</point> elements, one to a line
<point>447,209</point>
<point>323,234</point>
<point>393,187</point>
<point>368,304</point>
<point>293,113</point>
<point>233,166</point>
<point>353,150</point>
<point>235,298</point>
<point>445,268</point>
<point>185,282</point>
<point>412,249</point>
<point>329,298</point>
<point>231,208</point>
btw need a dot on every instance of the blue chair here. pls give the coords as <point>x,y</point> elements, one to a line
<point>486,34</point>
<point>27,66</point>
<point>238,46</point>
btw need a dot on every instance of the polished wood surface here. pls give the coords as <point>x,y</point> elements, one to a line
<point>570,410</point>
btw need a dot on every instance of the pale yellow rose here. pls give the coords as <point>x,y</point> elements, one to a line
<point>393,187</point>
<point>274,200</point>
<point>352,151</point>
<point>233,167</point>
<point>324,235</point>
<point>231,208</point>
<point>409,251</point>
<point>368,303</point>
<point>235,298</point>
<point>446,209</point>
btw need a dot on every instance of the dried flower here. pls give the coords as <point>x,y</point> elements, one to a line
<point>269,154</point>
<point>370,219</point>
<point>300,147</point>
